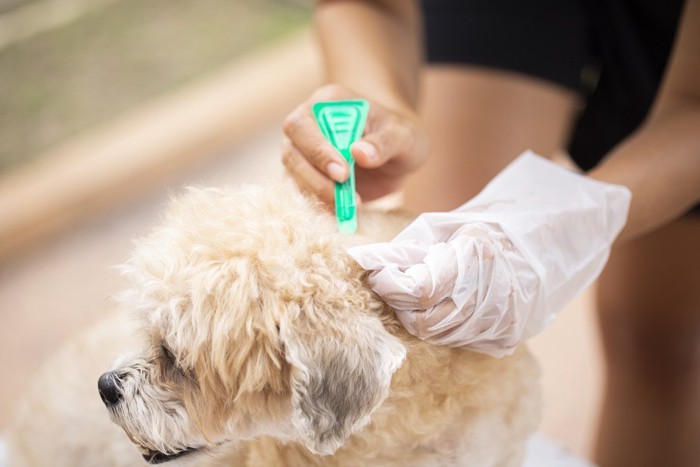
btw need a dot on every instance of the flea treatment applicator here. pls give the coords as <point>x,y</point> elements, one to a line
<point>342,123</point>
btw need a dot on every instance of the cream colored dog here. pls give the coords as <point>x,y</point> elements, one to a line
<point>262,345</point>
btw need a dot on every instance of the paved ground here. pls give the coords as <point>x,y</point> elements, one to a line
<point>65,284</point>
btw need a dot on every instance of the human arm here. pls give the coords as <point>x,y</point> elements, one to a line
<point>660,163</point>
<point>371,49</point>
<point>497,269</point>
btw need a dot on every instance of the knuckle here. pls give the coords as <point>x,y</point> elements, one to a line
<point>289,160</point>
<point>292,156</point>
<point>294,121</point>
<point>317,157</point>
<point>286,159</point>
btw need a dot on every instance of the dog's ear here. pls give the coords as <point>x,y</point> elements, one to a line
<point>339,376</point>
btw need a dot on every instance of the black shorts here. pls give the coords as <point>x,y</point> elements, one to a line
<point>612,52</point>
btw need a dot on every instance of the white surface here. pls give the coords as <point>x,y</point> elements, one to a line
<point>543,452</point>
<point>3,452</point>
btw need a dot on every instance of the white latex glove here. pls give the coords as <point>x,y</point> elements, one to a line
<point>496,270</point>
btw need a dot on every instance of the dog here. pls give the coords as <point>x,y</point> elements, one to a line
<point>261,344</point>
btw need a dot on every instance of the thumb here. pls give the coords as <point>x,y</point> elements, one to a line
<point>389,139</point>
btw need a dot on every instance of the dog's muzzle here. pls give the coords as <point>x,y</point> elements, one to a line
<point>109,388</point>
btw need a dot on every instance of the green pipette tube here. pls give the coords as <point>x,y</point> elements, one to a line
<point>342,123</point>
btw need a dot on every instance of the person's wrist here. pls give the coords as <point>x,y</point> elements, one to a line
<point>390,99</point>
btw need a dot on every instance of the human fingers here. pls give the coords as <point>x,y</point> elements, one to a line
<point>301,129</point>
<point>379,255</point>
<point>306,176</point>
<point>406,277</point>
<point>435,323</point>
<point>391,136</point>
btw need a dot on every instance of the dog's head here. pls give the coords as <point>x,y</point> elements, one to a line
<point>255,322</point>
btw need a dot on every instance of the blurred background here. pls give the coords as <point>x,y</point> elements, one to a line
<point>107,106</point>
<point>67,66</point>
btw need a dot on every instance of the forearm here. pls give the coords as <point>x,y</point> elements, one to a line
<point>660,164</point>
<point>373,48</point>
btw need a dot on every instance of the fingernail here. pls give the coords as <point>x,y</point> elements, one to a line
<point>336,171</point>
<point>367,149</point>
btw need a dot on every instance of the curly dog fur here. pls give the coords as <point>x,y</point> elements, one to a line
<point>262,345</point>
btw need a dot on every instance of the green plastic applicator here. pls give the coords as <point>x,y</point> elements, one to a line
<point>342,123</point>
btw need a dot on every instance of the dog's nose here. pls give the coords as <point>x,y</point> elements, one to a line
<point>108,385</point>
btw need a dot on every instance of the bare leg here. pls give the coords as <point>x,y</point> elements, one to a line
<point>479,120</point>
<point>649,310</point>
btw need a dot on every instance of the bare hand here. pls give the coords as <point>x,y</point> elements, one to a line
<point>394,144</point>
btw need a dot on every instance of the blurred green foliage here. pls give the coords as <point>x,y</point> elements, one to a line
<point>70,79</point>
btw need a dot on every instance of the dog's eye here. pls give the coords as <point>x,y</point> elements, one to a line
<point>171,361</point>
<point>169,356</point>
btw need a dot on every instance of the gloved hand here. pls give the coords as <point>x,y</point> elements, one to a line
<point>496,270</point>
